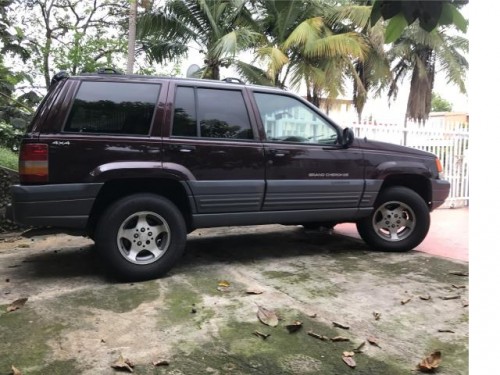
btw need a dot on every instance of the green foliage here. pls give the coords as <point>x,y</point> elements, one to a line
<point>9,136</point>
<point>8,158</point>
<point>430,15</point>
<point>438,104</point>
<point>220,28</point>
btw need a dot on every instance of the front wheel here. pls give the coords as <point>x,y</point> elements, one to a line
<point>140,237</point>
<point>399,222</point>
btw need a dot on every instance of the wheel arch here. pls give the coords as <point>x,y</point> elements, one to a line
<point>418,183</point>
<point>116,189</point>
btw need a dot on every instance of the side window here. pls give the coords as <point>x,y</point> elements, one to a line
<point>113,108</point>
<point>286,119</point>
<point>185,113</point>
<point>218,114</point>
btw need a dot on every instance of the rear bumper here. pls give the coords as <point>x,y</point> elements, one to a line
<point>61,206</point>
<point>440,191</point>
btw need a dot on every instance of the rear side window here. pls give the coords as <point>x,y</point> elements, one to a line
<point>210,113</point>
<point>113,108</point>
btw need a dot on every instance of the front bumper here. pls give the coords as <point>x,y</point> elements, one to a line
<point>440,191</point>
<point>60,206</point>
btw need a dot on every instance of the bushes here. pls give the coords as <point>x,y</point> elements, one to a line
<point>10,137</point>
<point>8,158</point>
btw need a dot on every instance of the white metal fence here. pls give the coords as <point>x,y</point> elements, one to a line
<point>448,140</point>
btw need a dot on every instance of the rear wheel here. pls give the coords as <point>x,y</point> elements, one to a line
<point>399,222</point>
<point>140,237</point>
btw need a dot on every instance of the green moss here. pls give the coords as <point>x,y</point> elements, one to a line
<point>289,277</point>
<point>58,368</point>
<point>238,351</point>
<point>116,298</point>
<point>23,338</point>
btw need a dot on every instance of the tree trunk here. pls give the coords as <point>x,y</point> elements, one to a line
<point>132,27</point>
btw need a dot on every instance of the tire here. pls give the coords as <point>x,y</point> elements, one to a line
<point>140,237</point>
<point>399,222</point>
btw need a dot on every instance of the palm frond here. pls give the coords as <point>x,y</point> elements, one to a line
<point>308,30</point>
<point>357,15</point>
<point>233,42</point>
<point>275,58</point>
<point>253,74</point>
<point>348,44</point>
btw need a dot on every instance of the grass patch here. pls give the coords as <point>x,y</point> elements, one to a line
<point>8,158</point>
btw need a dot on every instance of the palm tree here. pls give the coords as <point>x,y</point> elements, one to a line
<point>421,53</point>
<point>220,28</point>
<point>301,48</point>
<point>373,72</point>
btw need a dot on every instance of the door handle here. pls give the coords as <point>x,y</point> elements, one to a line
<point>279,153</point>
<point>183,148</point>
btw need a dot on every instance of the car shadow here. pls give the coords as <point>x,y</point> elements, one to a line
<point>66,262</point>
<point>233,245</point>
<point>203,247</point>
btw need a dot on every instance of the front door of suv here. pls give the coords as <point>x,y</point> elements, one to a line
<point>307,168</point>
<point>212,138</point>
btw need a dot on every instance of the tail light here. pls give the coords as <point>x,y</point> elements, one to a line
<point>34,163</point>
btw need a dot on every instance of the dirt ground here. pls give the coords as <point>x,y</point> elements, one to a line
<point>201,318</point>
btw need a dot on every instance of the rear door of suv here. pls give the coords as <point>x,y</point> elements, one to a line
<point>212,137</point>
<point>100,122</point>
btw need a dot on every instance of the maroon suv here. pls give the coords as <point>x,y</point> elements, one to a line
<point>137,162</point>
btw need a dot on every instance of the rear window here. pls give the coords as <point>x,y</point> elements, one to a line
<point>113,108</point>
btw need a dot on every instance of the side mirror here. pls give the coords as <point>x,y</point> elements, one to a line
<point>347,137</point>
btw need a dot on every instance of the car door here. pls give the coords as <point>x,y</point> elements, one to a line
<point>212,138</point>
<point>307,167</point>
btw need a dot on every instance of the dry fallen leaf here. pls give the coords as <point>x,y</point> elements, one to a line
<point>450,297</point>
<point>373,341</point>
<point>162,362</point>
<point>268,317</point>
<point>339,339</point>
<point>123,364</point>
<point>358,348</point>
<point>262,335</point>
<point>294,327</point>
<point>349,361</point>
<point>17,304</point>
<point>223,283</point>
<point>15,371</point>
<point>405,301</point>
<point>254,291</point>
<point>425,298</point>
<point>431,362</point>
<point>348,354</point>
<point>340,325</point>
<point>459,273</point>
<point>376,315</point>
<point>317,336</point>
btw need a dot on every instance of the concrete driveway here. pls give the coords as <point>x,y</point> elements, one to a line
<point>202,318</point>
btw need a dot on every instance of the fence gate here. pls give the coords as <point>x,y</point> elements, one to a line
<point>449,141</point>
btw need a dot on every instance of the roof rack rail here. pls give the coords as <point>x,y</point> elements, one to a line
<point>108,71</point>
<point>233,80</point>
<point>59,77</point>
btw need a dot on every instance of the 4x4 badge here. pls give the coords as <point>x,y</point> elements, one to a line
<point>61,143</point>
